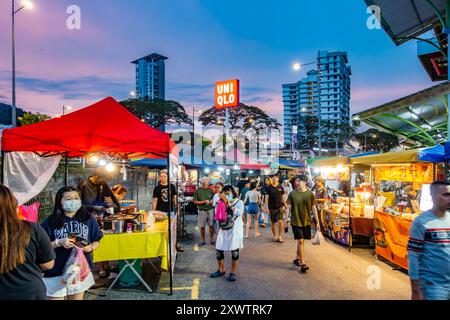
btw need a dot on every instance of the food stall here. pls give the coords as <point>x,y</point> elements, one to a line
<point>347,218</point>
<point>105,128</point>
<point>401,183</point>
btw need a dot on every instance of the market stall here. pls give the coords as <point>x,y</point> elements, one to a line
<point>105,128</point>
<point>401,184</point>
<point>347,216</point>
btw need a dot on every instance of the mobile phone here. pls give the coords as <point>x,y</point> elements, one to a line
<point>82,242</point>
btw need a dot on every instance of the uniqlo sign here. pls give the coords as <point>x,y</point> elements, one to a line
<point>227,94</point>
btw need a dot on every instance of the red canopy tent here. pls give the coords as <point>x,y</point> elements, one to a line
<point>104,127</point>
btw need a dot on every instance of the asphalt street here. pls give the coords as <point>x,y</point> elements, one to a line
<point>266,272</point>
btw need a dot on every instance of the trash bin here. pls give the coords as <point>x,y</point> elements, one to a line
<point>128,278</point>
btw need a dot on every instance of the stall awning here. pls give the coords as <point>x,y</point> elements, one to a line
<point>291,163</point>
<point>104,127</point>
<point>433,154</point>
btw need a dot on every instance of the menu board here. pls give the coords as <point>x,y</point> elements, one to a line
<point>412,172</point>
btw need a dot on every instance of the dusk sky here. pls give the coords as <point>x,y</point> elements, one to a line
<point>256,41</point>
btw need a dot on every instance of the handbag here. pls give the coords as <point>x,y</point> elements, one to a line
<point>229,222</point>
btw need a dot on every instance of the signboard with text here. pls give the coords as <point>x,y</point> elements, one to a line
<point>227,94</point>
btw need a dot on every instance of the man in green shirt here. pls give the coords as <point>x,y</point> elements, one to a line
<point>302,203</point>
<point>203,200</point>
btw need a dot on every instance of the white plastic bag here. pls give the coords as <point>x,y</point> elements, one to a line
<point>318,238</point>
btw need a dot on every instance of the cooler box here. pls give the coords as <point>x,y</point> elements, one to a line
<point>128,278</point>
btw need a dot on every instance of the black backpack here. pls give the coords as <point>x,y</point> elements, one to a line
<point>229,223</point>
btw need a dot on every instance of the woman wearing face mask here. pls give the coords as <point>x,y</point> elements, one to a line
<point>68,227</point>
<point>232,239</point>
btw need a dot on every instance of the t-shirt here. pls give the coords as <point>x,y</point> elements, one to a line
<point>94,194</point>
<point>162,194</point>
<point>301,207</point>
<point>429,249</point>
<point>202,194</point>
<point>243,193</point>
<point>25,282</point>
<point>275,197</point>
<point>321,193</point>
<point>345,187</point>
<point>89,232</point>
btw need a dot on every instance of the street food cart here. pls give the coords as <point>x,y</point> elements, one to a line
<point>394,172</point>
<point>347,219</point>
<point>104,128</point>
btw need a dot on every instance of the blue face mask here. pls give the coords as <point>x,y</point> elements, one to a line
<point>72,205</point>
<point>230,197</point>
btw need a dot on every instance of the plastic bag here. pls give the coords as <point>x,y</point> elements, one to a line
<point>318,238</point>
<point>76,269</point>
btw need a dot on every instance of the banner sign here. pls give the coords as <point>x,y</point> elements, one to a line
<point>227,94</point>
<point>391,238</point>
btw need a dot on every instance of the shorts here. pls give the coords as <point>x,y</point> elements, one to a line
<point>55,289</point>
<point>253,208</point>
<point>276,215</point>
<point>302,232</point>
<point>206,217</point>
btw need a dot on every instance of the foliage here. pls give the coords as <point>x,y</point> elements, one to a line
<point>308,129</point>
<point>375,140</point>
<point>31,118</point>
<point>157,113</point>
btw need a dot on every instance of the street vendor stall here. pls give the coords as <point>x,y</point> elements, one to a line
<point>401,181</point>
<point>347,216</point>
<point>105,128</point>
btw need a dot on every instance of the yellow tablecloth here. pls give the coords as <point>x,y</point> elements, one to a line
<point>138,245</point>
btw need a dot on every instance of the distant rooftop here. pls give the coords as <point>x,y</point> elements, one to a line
<point>152,56</point>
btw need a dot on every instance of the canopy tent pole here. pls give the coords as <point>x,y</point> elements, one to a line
<point>2,176</point>
<point>170,224</point>
<point>66,169</point>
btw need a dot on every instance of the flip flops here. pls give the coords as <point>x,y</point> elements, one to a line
<point>304,268</point>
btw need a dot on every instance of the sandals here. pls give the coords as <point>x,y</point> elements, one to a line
<point>297,262</point>
<point>304,268</point>
<point>275,240</point>
<point>280,240</point>
<point>258,235</point>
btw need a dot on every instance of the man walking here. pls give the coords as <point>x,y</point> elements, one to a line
<point>275,202</point>
<point>302,203</point>
<point>429,248</point>
<point>203,199</point>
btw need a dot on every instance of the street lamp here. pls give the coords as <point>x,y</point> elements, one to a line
<point>64,108</point>
<point>27,5</point>
<point>297,66</point>
<point>373,135</point>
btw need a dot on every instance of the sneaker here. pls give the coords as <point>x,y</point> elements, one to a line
<point>201,244</point>
<point>217,274</point>
<point>231,277</point>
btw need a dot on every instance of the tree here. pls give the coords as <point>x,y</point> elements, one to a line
<point>243,120</point>
<point>375,140</point>
<point>30,118</point>
<point>157,113</point>
<point>308,137</point>
<point>336,136</point>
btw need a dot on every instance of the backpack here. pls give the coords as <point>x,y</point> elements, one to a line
<point>229,222</point>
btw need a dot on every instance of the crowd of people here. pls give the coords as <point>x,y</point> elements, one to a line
<point>34,258</point>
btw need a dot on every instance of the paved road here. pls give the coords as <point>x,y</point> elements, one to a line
<point>267,273</point>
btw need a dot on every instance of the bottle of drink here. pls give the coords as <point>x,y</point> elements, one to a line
<point>151,219</point>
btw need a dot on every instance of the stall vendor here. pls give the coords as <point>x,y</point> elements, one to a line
<point>95,194</point>
<point>344,188</point>
<point>411,198</point>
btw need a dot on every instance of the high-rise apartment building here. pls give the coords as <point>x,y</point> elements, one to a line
<point>325,91</point>
<point>150,77</point>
